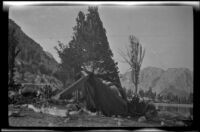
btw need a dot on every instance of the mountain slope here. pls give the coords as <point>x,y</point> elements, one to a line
<point>179,78</point>
<point>149,77</point>
<point>33,64</point>
<point>32,53</point>
<point>178,81</point>
<point>174,91</point>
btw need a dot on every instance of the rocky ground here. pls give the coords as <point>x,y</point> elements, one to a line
<point>28,117</point>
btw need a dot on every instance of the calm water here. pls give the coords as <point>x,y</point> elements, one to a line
<point>176,108</point>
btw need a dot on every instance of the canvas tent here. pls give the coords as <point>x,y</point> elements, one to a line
<point>98,95</point>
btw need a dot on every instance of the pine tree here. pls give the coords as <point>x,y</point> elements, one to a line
<point>98,48</point>
<point>71,55</point>
<point>90,49</point>
<point>68,62</point>
<point>99,55</point>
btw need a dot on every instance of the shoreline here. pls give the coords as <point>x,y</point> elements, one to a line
<point>174,105</point>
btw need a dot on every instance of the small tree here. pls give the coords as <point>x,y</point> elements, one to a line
<point>134,57</point>
<point>141,93</point>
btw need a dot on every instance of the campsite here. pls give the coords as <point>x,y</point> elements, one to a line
<point>86,84</point>
<point>73,114</point>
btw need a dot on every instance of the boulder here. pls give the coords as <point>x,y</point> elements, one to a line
<point>142,119</point>
<point>180,123</point>
<point>72,107</point>
<point>119,123</point>
<point>14,113</point>
<point>29,90</point>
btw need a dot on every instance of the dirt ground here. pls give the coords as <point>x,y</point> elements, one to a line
<point>30,118</point>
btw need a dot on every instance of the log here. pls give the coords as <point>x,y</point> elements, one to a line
<point>73,87</point>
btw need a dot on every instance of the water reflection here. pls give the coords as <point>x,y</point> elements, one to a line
<point>176,109</point>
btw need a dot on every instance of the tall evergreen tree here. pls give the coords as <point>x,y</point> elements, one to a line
<point>90,48</point>
<point>100,54</point>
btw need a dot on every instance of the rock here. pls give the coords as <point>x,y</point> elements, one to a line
<point>99,113</point>
<point>67,113</point>
<point>55,112</point>
<point>91,113</point>
<point>118,123</point>
<point>169,123</point>
<point>191,117</point>
<point>11,94</point>
<point>115,119</point>
<point>14,113</point>
<point>150,115</point>
<point>71,107</point>
<point>30,106</point>
<point>24,105</point>
<point>180,123</point>
<point>9,113</point>
<point>142,119</point>
<point>74,112</point>
<point>118,116</point>
<point>162,123</point>
<point>167,115</point>
<point>66,120</point>
<point>50,124</point>
<point>128,117</point>
<point>71,100</point>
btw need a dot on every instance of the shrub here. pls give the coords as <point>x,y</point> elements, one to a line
<point>14,86</point>
<point>140,108</point>
<point>47,92</point>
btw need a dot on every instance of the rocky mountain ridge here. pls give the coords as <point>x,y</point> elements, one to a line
<point>33,64</point>
<point>178,81</point>
<point>31,53</point>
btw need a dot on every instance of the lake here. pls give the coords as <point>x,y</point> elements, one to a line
<point>183,109</point>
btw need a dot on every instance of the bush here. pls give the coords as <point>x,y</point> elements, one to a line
<point>140,108</point>
<point>151,111</point>
<point>129,93</point>
<point>13,95</point>
<point>47,92</point>
<point>16,98</point>
<point>44,70</point>
<point>14,86</point>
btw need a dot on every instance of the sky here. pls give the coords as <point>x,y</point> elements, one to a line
<point>166,32</point>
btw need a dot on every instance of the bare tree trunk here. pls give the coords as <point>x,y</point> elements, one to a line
<point>135,80</point>
<point>133,76</point>
<point>136,83</point>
